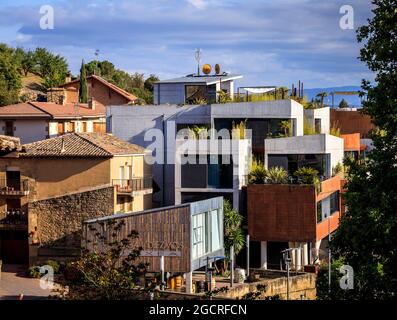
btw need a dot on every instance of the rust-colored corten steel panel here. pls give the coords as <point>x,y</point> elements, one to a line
<point>329,224</point>
<point>351,122</point>
<point>351,142</point>
<point>165,229</point>
<point>329,186</point>
<point>281,212</point>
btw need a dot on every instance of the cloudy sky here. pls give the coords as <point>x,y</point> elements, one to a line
<point>270,42</point>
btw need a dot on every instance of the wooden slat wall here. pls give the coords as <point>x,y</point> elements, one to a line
<point>170,225</point>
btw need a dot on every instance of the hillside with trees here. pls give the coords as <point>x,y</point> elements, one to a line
<point>27,74</point>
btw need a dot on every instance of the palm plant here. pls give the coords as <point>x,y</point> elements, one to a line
<point>276,175</point>
<point>285,125</point>
<point>307,175</point>
<point>322,95</point>
<point>257,173</point>
<point>233,233</point>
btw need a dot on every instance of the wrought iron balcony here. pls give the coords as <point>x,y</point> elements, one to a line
<point>10,187</point>
<point>130,186</point>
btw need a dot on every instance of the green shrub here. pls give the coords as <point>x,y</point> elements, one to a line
<point>276,175</point>
<point>306,175</point>
<point>338,169</point>
<point>257,173</point>
<point>54,265</point>
<point>33,272</point>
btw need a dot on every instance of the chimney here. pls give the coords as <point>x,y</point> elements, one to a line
<point>63,146</point>
<point>68,78</point>
<point>91,104</point>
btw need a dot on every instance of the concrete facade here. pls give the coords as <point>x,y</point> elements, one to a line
<point>308,144</point>
<point>240,152</point>
<point>135,124</point>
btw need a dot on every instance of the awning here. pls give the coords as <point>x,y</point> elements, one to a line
<point>258,89</point>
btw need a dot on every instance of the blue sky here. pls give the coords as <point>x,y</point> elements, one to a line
<point>270,42</point>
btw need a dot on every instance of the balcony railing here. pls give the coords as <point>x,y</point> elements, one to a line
<point>14,187</point>
<point>14,217</point>
<point>132,185</point>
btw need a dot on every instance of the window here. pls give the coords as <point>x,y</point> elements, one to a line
<point>199,247</point>
<point>292,162</point>
<point>215,228</point>
<point>9,128</point>
<point>194,93</point>
<point>317,125</point>
<point>208,172</point>
<point>334,202</point>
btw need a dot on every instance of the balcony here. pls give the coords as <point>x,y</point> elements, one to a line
<point>14,187</point>
<point>13,218</point>
<point>135,186</point>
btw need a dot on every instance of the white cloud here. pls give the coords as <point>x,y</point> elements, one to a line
<point>199,4</point>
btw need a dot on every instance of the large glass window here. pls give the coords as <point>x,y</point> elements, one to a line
<point>212,174</point>
<point>199,247</point>
<point>260,129</point>
<point>215,230</point>
<point>292,162</point>
<point>194,93</point>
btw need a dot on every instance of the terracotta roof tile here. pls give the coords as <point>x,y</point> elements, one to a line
<point>68,110</point>
<point>115,88</point>
<point>22,110</point>
<point>80,145</point>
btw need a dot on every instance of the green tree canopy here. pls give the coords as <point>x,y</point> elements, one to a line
<point>343,104</point>
<point>367,236</point>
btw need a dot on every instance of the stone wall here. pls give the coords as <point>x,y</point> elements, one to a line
<point>59,219</point>
<point>301,286</point>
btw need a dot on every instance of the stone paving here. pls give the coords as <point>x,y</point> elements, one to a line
<point>13,283</point>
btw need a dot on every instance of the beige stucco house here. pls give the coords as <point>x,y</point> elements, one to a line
<point>47,188</point>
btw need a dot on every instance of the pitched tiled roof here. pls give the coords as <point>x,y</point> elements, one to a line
<point>49,110</point>
<point>22,110</point>
<point>115,88</point>
<point>80,145</point>
<point>68,110</point>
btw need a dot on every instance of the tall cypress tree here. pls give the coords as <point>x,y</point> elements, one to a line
<point>83,92</point>
<point>367,237</point>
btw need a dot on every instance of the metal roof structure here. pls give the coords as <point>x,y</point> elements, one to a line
<point>207,79</point>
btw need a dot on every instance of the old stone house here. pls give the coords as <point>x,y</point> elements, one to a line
<point>48,188</point>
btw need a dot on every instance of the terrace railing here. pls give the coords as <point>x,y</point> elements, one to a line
<point>134,184</point>
<point>17,187</point>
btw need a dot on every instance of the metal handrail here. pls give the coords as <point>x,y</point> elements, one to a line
<point>133,184</point>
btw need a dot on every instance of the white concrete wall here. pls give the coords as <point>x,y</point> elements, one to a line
<point>28,130</point>
<point>241,155</point>
<point>308,144</point>
<point>321,113</point>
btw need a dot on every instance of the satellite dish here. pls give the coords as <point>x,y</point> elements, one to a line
<point>217,69</point>
<point>206,69</point>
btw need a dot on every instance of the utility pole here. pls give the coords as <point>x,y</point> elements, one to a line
<point>248,254</point>
<point>198,59</point>
<point>329,255</point>
<point>287,260</point>
<point>231,265</point>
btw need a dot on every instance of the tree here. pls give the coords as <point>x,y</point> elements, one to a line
<point>233,233</point>
<point>343,104</point>
<point>367,236</point>
<point>111,273</point>
<point>10,78</point>
<point>52,68</point>
<point>83,91</point>
<point>322,96</point>
<point>149,82</point>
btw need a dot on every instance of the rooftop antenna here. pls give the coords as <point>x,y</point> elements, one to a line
<point>96,58</point>
<point>197,56</point>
